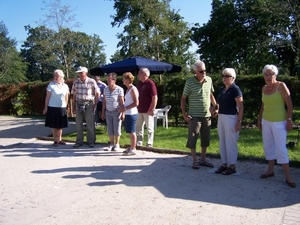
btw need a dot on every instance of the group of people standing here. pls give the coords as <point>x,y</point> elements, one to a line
<point>137,107</point>
<point>274,119</point>
<point>94,101</point>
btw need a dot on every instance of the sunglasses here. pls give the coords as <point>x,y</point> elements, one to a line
<point>225,76</point>
<point>202,71</point>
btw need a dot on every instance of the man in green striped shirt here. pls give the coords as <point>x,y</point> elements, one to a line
<point>199,92</point>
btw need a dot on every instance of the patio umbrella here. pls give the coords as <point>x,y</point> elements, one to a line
<point>133,64</point>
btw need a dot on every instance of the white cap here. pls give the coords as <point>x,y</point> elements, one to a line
<point>81,69</point>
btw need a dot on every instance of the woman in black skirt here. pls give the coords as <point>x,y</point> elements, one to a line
<point>56,101</point>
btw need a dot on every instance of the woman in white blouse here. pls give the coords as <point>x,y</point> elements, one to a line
<point>55,109</point>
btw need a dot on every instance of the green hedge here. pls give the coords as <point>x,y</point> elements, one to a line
<point>28,98</point>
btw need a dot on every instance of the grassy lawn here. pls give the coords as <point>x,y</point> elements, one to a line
<point>174,138</point>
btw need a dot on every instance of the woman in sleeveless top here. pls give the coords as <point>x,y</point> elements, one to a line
<point>275,120</point>
<point>131,111</point>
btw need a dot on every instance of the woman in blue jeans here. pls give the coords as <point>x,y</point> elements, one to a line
<point>131,111</point>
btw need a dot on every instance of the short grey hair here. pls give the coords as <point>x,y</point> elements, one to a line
<point>230,71</point>
<point>146,71</point>
<point>197,64</point>
<point>271,67</point>
<point>59,73</point>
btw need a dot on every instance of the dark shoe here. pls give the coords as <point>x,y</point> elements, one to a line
<point>229,171</point>
<point>221,169</point>
<point>55,144</point>
<point>129,153</point>
<point>293,185</point>
<point>196,165</point>
<point>62,143</point>
<point>91,145</point>
<point>77,145</point>
<point>205,163</point>
<point>127,150</point>
<point>266,175</point>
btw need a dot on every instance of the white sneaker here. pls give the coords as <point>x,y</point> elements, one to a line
<point>116,147</point>
<point>109,148</point>
<point>139,143</point>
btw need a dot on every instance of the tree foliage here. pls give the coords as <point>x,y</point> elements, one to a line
<point>247,34</point>
<point>151,30</point>
<point>12,68</point>
<point>53,45</point>
<point>45,51</point>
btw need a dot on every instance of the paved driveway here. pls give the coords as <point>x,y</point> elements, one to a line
<point>41,184</point>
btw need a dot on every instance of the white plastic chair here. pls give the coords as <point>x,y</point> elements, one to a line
<point>162,114</point>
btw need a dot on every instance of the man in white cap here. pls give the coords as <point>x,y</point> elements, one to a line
<point>85,98</point>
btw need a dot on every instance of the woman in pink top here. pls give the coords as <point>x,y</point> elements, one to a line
<point>275,121</point>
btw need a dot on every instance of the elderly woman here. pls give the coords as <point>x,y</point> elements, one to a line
<point>131,111</point>
<point>56,101</point>
<point>275,120</point>
<point>113,100</point>
<point>231,109</point>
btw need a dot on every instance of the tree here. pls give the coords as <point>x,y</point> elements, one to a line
<point>247,34</point>
<point>12,68</point>
<point>42,50</point>
<point>38,51</point>
<point>153,31</point>
<point>54,45</point>
<point>60,18</point>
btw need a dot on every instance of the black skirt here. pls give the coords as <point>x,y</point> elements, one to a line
<point>56,117</point>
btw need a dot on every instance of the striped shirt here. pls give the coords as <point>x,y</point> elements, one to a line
<point>85,90</point>
<point>113,98</point>
<point>198,96</point>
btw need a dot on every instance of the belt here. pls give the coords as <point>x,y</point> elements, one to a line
<point>83,101</point>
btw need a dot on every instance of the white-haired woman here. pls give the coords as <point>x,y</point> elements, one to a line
<point>55,109</point>
<point>231,109</point>
<point>275,120</point>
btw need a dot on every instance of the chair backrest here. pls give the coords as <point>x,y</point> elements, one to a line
<point>167,108</point>
<point>162,112</point>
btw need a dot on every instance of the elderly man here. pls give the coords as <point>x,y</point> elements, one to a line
<point>198,89</point>
<point>147,104</point>
<point>85,98</point>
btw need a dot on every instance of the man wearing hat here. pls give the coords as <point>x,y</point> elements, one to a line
<point>85,98</point>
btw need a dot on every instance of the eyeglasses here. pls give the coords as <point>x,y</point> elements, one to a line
<point>269,75</point>
<point>202,71</point>
<point>225,76</point>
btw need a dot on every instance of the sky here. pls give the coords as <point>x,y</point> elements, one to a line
<point>93,15</point>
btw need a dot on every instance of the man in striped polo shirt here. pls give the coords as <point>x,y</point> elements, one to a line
<point>85,98</point>
<point>199,91</point>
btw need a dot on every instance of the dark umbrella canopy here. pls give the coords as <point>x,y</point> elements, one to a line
<point>133,65</point>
